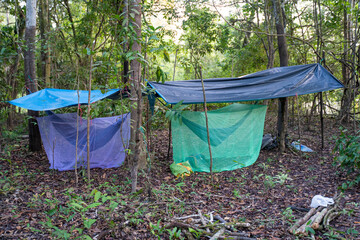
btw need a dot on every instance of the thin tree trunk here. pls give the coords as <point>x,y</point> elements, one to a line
<point>136,95</point>
<point>269,25</point>
<point>125,73</point>
<point>283,53</point>
<point>88,113</point>
<point>347,96</point>
<point>207,124</point>
<point>30,72</point>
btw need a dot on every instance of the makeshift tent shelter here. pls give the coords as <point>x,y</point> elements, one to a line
<point>51,99</point>
<point>271,83</point>
<point>109,137</point>
<point>267,84</point>
<point>235,135</point>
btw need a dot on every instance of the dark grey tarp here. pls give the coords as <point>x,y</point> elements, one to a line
<point>272,83</point>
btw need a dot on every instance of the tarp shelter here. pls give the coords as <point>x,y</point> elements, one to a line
<point>239,126</point>
<point>51,99</point>
<point>109,136</point>
<point>268,84</point>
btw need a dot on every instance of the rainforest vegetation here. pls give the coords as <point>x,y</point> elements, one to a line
<point>122,44</point>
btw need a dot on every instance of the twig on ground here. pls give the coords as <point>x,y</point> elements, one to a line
<point>218,234</point>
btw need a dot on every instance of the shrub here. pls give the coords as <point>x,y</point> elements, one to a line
<point>348,159</point>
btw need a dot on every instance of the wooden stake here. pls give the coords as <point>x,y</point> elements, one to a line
<point>207,123</point>
<point>77,124</point>
<point>321,109</point>
<point>88,114</point>
<point>169,139</point>
<point>168,153</point>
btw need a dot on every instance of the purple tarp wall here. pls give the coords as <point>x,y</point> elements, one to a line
<point>109,137</point>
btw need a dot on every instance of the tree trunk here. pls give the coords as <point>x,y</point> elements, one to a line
<point>125,72</point>
<point>283,54</point>
<point>136,102</point>
<point>11,75</point>
<point>30,74</point>
<point>44,26</point>
<point>269,26</point>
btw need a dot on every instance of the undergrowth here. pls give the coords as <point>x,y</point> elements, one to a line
<point>348,158</point>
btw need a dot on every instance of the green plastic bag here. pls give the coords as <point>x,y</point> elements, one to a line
<point>181,169</point>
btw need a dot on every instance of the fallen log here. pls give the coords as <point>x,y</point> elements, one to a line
<point>301,221</point>
<point>318,219</point>
<point>302,229</point>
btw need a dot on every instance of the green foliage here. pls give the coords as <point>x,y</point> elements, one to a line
<point>288,215</point>
<point>156,229</point>
<point>174,114</point>
<point>348,158</point>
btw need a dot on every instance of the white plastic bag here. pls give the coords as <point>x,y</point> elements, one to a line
<point>319,200</point>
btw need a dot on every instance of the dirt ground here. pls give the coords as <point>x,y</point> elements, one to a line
<point>38,203</point>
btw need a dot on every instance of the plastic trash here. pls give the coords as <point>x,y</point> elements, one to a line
<point>319,200</point>
<point>267,140</point>
<point>300,147</point>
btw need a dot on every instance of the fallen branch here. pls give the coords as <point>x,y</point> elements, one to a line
<point>186,217</point>
<point>317,221</point>
<point>102,234</point>
<point>237,238</point>
<point>203,220</point>
<point>302,230</point>
<point>331,215</point>
<point>301,221</point>
<point>218,234</point>
<point>238,234</point>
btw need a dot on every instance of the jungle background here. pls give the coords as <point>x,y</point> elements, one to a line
<point>82,44</point>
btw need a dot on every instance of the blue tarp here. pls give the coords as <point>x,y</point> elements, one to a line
<point>50,99</point>
<point>268,84</point>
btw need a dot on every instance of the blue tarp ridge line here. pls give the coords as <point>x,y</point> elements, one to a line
<point>51,99</point>
<point>268,84</point>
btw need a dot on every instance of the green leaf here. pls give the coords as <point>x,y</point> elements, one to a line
<point>166,56</point>
<point>52,211</point>
<point>153,37</point>
<point>89,222</point>
<point>97,196</point>
<point>93,205</point>
<point>310,230</point>
<point>78,206</point>
<point>113,205</point>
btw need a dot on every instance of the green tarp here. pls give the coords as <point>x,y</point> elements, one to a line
<point>235,135</point>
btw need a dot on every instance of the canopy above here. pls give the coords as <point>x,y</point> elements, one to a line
<point>50,99</point>
<point>271,83</point>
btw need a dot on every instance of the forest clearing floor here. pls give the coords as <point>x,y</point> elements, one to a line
<point>38,203</point>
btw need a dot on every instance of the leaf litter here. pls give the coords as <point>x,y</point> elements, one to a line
<point>39,203</point>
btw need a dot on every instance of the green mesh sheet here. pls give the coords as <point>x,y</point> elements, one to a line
<point>235,135</point>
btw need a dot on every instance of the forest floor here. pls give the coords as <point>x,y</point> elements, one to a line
<point>38,203</point>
